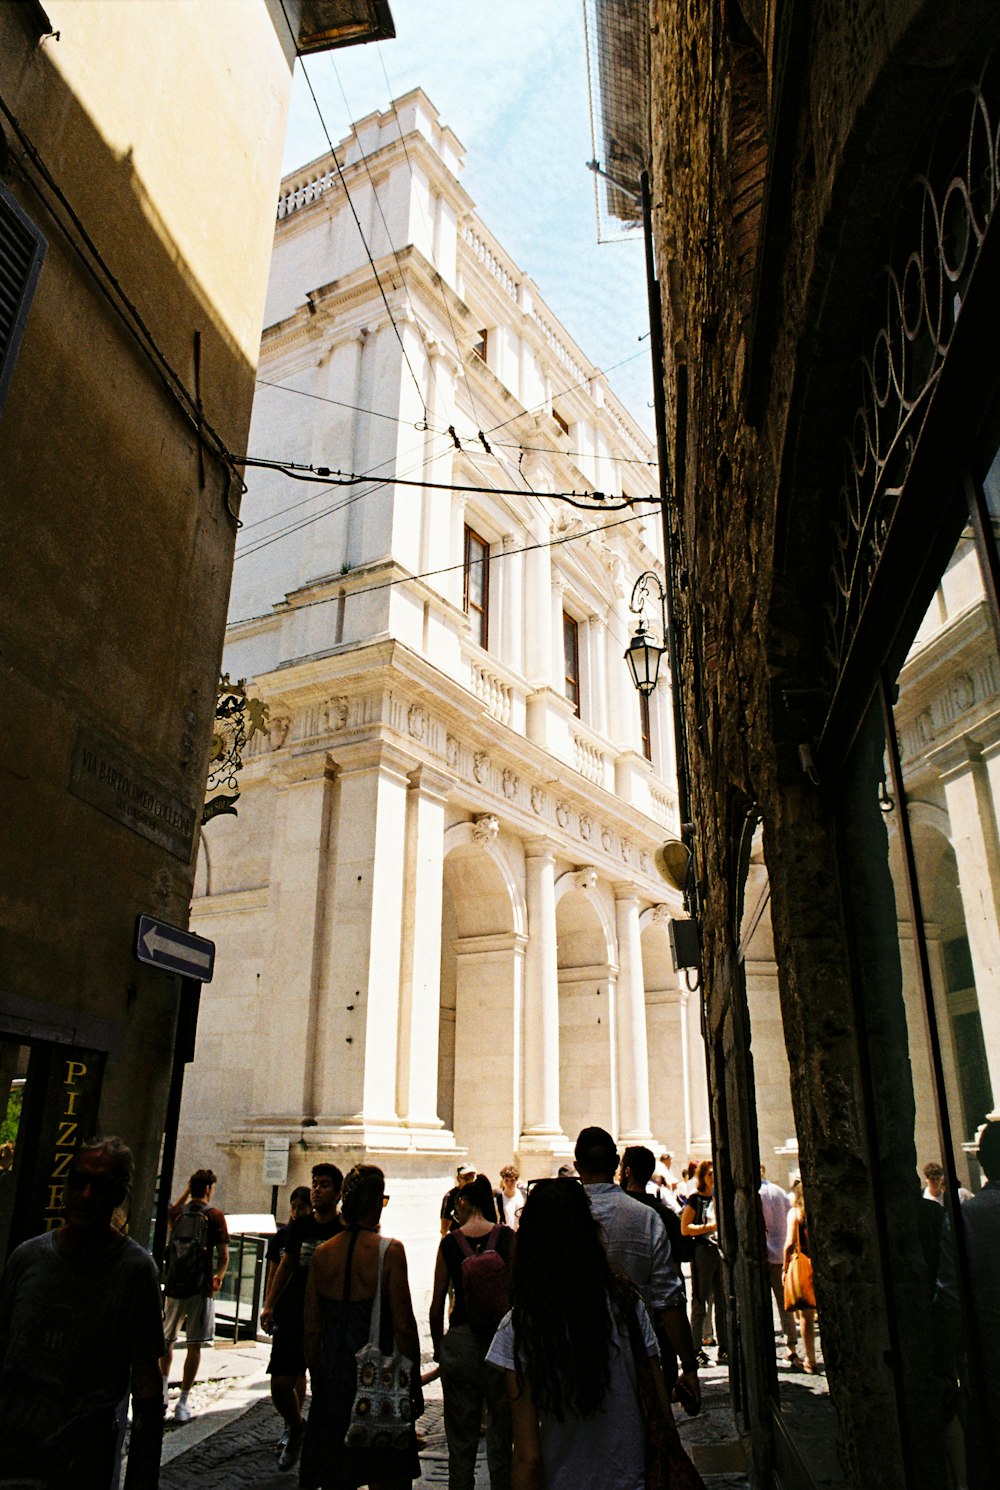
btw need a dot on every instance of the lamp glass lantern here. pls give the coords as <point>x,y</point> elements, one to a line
<point>643,658</point>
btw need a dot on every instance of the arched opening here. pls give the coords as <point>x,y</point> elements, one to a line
<point>479,1043</point>
<point>584,949</point>
<point>676,1052</point>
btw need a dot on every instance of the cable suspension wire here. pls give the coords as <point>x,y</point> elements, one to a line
<point>507,553</point>
<point>298,471</point>
<point>354,214</point>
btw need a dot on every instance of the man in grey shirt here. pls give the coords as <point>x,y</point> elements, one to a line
<point>637,1244</point>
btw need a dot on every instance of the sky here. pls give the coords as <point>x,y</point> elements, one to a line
<point>510,79</point>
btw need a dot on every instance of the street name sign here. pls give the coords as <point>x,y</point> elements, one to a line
<point>173,950</point>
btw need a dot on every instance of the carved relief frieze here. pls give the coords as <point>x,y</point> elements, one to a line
<point>562,814</point>
<point>481,766</point>
<point>537,799</point>
<point>510,783</point>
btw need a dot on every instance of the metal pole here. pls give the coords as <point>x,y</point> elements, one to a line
<point>660,419</point>
<point>184,1038</point>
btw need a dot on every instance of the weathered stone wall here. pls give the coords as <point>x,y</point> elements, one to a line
<point>764,288</point>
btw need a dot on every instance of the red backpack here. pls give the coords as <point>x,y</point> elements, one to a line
<point>485,1283</point>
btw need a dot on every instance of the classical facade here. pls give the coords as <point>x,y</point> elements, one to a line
<point>824,187</point>
<point>441,932</point>
<point>132,137</point>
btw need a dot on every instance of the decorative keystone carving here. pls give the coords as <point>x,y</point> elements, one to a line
<point>486,828</point>
<point>661,915</point>
<point>586,879</point>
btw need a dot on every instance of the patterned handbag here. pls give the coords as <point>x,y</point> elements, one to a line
<point>382,1411</point>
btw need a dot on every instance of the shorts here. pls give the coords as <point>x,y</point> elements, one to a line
<point>288,1351</point>
<point>196,1314</point>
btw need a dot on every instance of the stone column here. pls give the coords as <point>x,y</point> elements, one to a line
<point>972,788</point>
<point>597,681</point>
<point>538,605</point>
<point>420,961</point>
<point>557,666</point>
<point>357,1033</point>
<point>458,548</point>
<point>511,605</point>
<point>633,1057</point>
<point>295,960</point>
<point>541,997</point>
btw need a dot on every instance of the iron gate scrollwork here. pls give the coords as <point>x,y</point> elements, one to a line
<point>913,310</point>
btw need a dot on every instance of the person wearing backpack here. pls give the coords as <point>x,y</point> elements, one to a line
<point>198,1233</point>
<point>475,1259</point>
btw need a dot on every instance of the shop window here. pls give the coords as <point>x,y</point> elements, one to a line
<point>477,586</point>
<point>571,657</point>
<point>22,249</point>
<point>48,1105</point>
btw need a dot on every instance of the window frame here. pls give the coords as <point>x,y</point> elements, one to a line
<point>571,676</point>
<point>481,630</point>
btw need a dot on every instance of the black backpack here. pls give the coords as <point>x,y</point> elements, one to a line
<point>189,1255</point>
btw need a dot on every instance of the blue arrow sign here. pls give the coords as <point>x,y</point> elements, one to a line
<point>174,950</point>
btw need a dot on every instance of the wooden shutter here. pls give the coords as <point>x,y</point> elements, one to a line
<point>22,249</point>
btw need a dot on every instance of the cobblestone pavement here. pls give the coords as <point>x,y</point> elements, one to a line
<point>230,1444</point>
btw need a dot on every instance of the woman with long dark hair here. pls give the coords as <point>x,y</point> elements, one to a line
<point>571,1349</point>
<point>468,1383</point>
<point>345,1275</point>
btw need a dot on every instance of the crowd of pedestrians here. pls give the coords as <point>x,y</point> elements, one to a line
<point>559,1321</point>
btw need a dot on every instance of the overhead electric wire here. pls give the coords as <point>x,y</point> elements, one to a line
<point>354,214</point>
<point>406,579</point>
<point>322,475</point>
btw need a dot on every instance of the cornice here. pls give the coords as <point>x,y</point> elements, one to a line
<point>384,694</point>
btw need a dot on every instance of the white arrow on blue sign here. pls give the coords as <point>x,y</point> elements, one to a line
<point>174,950</point>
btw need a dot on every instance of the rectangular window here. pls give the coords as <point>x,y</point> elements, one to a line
<point>477,586</point>
<point>644,726</point>
<point>482,344</point>
<point>561,422</point>
<point>22,249</point>
<point>571,653</point>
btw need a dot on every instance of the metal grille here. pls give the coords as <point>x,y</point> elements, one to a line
<point>617,33</point>
<point>913,309</point>
<point>21,251</point>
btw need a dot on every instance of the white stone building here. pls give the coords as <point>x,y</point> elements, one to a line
<point>440,928</point>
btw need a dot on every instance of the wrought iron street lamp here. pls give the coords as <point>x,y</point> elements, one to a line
<point>643,655</point>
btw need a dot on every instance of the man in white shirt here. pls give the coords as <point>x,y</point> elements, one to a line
<point>637,1244</point>
<point>775,1205</point>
